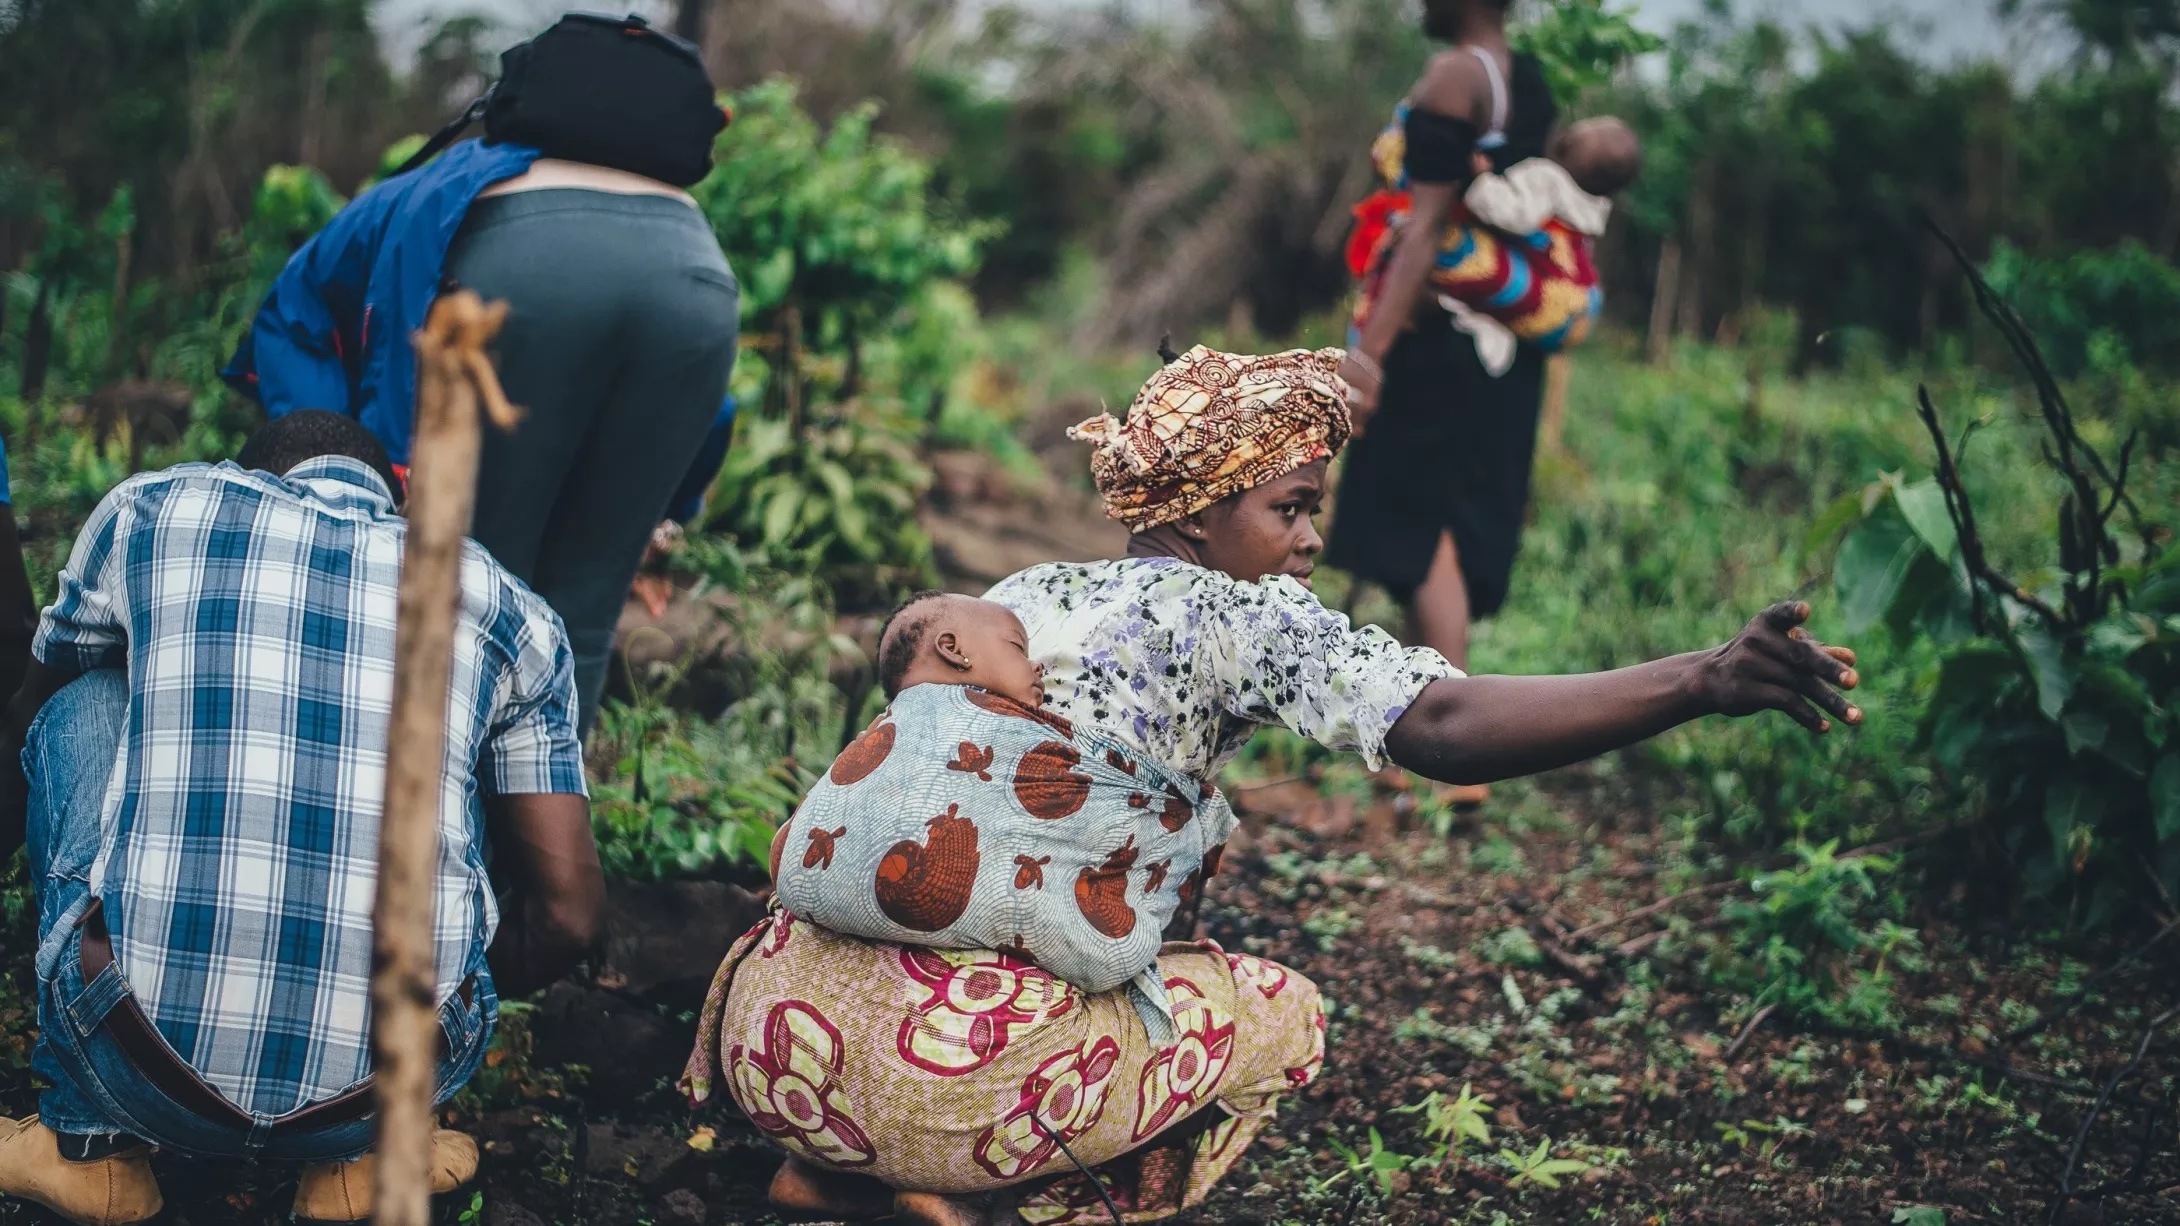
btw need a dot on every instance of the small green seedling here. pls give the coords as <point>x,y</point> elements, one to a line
<point>1539,1167</point>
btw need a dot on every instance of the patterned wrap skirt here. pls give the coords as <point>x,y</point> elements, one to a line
<point>963,1071</point>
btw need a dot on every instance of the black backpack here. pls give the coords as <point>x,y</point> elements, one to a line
<point>609,91</point>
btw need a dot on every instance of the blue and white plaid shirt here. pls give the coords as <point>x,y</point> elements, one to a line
<point>239,841</point>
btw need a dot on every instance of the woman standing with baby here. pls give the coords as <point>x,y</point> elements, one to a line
<point>1445,402</point>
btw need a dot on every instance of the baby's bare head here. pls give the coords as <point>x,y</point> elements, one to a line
<point>939,638</point>
<point>1603,154</point>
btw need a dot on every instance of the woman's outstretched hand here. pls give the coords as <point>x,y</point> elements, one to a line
<point>1775,665</point>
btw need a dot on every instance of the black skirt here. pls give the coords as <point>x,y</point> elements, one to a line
<point>1450,448</point>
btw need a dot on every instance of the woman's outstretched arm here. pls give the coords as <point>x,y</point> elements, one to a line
<point>1482,729</point>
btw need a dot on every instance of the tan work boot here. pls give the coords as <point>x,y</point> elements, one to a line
<point>341,1191</point>
<point>117,1190</point>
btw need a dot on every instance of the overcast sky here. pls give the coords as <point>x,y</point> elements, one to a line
<point>1945,28</point>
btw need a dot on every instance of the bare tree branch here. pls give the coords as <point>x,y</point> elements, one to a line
<point>1963,515</point>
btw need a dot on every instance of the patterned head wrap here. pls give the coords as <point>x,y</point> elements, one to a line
<point>1210,425</point>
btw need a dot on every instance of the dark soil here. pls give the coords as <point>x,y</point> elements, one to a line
<point>1604,1043</point>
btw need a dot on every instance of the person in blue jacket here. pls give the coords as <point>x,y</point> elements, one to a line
<point>618,348</point>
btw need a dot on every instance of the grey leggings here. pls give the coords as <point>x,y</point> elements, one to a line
<point>618,349</point>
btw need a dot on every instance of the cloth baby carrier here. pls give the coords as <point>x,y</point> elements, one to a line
<point>963,820</point>
<point>1541,287</point>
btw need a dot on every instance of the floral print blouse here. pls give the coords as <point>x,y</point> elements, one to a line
<point>1185,663</point>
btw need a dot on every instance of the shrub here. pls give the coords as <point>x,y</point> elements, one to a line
<point>839,503</point>
<point>1797,941</point>
<point>2054,696</point>
<point>2094,308</point>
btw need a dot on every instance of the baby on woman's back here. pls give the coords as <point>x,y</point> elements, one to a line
<point>939,638</point>
<point>965,817</point>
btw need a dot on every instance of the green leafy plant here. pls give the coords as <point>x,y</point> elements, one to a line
<point>1773,1135</point>
<point>685,795</point>
<point>837,238</point>
<point>1796,941</point>
<point>1538,1166</point>
<point>839,219</point>
<point>2056,695</point>
<point>1452,1124</point>
<point>1378,1162</point>
<point>1510,947</point>
<point>839,502</point>
<point>1581,44</point>
<point>670,809</point>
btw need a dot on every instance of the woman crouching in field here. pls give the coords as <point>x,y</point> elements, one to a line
<point>949,1086</point>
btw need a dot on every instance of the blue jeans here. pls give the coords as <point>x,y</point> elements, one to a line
<point>95,1089</point>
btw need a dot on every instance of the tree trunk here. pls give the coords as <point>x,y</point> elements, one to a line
<point>689,20</point>
<point>2168,233</point>
<point>1702,258</point>
<point>1688,318</point>
<point>117,322</point>
<point>1663,297</point>
<point>1557,372</point>
<point>1752,400</point>
<point>790,370</point>
<point>455,381</point>
<point>314,97</point>
<point>851,381</point>
<point>38,341</point>
<point>935,411</point>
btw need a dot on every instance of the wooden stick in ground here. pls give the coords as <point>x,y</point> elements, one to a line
<point>454,383</point>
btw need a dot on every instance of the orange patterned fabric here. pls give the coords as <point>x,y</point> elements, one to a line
<point>970,821</point>
<point>1210,425</point>
<point>965,1070</point>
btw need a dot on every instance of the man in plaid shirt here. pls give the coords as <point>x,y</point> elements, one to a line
<point>205,771</point>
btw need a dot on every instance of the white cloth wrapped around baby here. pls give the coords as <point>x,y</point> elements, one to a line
<point>961,819</point>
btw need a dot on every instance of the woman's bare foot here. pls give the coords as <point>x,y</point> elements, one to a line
<point>802,1188</point>
<point>934,1209</point>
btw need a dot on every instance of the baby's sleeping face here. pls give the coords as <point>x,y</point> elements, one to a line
<point>960,640</point>
<point>995,651</point>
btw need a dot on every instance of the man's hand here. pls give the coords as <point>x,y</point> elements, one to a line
<point>651,585</point>
<point>554,909</point>
<point>1774,665</point>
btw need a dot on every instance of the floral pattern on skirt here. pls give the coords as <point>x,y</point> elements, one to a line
<point>1061,1101</point>
<point>953,1071</point>
<point>972,1003</point>
<point>1182,1077</point>
<point>790,1086</point>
